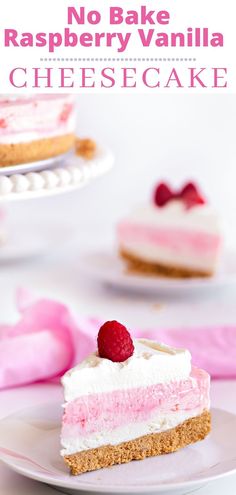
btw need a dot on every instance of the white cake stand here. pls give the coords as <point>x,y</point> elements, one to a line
<point>54,177</point>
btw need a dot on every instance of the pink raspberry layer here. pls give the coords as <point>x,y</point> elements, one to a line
<point>178,240</point>
<point>107,411</point>
<point>39,114</point>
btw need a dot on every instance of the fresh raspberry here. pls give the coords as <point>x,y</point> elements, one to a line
<point>193,200</point>
<point>162,195</point>
<point>189,188</point>
<point>114,342</point>
<point>191,196</point>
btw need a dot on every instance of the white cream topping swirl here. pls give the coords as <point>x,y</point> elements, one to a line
<point>150,364</point>
<point>175,215</point>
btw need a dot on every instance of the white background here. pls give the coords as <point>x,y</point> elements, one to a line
<point>167,137</point>
<point>173,137</point>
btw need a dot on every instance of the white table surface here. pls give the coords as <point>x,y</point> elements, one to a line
<point>57,276</point>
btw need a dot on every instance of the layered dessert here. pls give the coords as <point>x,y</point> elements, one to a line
<point>34,128</point>
<point>129,400</point>
<point>177,235</point>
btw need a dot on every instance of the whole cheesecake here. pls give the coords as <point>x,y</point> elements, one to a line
<point>34,128</point>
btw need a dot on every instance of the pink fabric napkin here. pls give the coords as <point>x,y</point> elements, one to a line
<point>48,339</point>
<point>42,344</point>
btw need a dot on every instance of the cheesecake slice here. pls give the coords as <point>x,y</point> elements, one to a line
<point>177,235</point>
<point>134,400</point>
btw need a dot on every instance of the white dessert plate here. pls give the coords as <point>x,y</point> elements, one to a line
<point>29,444</point>
<point>105,266</point>
<point>34,166</point>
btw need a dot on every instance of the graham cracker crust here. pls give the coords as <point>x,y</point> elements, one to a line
<point>191,431</point>
<point>15,154</point>
<point>136,265</point>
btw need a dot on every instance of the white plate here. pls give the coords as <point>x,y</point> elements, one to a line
<point>34,166</point>
<point>29,444</point>
<point>106,267</point>
<point>25,241</point>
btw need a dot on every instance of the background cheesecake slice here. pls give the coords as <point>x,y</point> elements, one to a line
<point>178,235</point>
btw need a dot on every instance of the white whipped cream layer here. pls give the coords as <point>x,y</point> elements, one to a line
<point>153,254</point>
<point>14,97</point>
<point>30,137</point>
<point>200,218</point>
<point>151,363</point>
